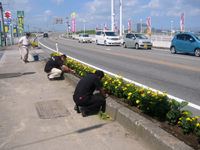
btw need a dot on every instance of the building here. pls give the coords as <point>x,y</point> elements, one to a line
<point>144,27</point>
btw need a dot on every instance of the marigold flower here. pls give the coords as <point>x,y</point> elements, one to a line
<point>148,108</point>
<point>115,86</point>
<point>148,92</point>
<point>179,122</point>
<point>137,101</point>
<point>129,93</point>
<point>110,118</point>
<point>193,118</point>
<point>106,82</point>
<point>128,97</point>
<point>196,117</point>
<point>197,124</point>
<point>170,101</point>
<point>143,94</point>
<point>180,118</point>
<point>188,119</point>
<point>120,76</point>
<point>107,116</point>
<point>160,100</point>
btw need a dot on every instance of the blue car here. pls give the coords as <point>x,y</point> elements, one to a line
<point>186,43</point>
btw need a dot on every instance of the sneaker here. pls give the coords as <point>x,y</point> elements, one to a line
<point>83,112</point>
<point>76,109</point>
<point>27,61</point>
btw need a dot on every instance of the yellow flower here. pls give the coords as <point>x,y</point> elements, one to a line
<point>160,100</point>
<point>148,92</point>
<point>179,122</point>
<point>188,119</point>
<point>170,101</point>
<point>115,86</point>
<point>196,117</point>
<point>107,116</point>
<point>164,92</point>
<point>193,119</point>
<point>197,124</point>
<point>106,82</point>
<point>128,97</point>
<point>137,101</point>
<point>129,93</point>
<point>180,118</point>
<point>148,108</point>
<point>143,95</point>
<point>152,102</point>
<point>124,89</point>
<point>110,118</point>
<point>120,76</point>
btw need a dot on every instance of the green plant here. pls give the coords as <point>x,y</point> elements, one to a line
<point>175,113</point>
<point>104,116</point>
<point>188,124</point>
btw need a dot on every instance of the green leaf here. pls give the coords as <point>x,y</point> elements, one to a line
<point>183,104</point>
<point>176,104</point>
<point>190,114</point>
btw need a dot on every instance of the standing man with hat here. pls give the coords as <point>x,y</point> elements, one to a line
<point>25,45</point>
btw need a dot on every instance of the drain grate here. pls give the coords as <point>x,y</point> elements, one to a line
<point>52,109</point>
<point>9,75</point>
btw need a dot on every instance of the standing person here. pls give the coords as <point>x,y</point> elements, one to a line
<point>54,67</point>
<point>83,95</point>
<point>25,45</point>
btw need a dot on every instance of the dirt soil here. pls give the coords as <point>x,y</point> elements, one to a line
<point>191,140</point>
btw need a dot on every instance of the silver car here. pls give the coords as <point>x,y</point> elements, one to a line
<point>137,41</point>
<point>84,38</point>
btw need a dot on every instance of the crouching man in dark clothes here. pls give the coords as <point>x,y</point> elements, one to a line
<point>83,95</point>
<point>54,67</point>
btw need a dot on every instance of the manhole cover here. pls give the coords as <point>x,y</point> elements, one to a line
<point>9,75</point>
<point>52,109</point>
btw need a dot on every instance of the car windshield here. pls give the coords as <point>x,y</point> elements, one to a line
<point>141,36</point>
<point>197,36</point>
<point>111,34</point>
<point>86,35</point>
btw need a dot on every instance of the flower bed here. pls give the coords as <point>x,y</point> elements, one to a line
<point>158,106</point>
<point>34,44</point>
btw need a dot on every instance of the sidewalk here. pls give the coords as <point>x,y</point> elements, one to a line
<point>21,128</point>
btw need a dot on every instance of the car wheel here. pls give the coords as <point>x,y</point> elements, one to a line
<point>173,50</point>
<point>149,48</point>
<point>197,52</point>
<point>105,43</point>
<point>125,45</point>
<point>78,41</point>
<point>97,42</point>
<point>136,46</point>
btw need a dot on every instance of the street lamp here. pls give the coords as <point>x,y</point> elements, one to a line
<point>171,27</point>
<point>141,25</point>
<point>84,26</point>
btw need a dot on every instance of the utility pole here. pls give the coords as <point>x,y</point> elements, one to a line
<point>67,26</point>
<point>120,8</point>
<point>112,15</point>
<point>4,33</point>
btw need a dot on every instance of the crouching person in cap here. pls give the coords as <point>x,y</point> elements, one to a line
<point>54,67</point>
<point>83,95</point>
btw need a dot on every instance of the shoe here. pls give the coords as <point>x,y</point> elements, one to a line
<point>51,79</point>
<point>27,61</point>
<point>77,109</point>
<point>83,112</point>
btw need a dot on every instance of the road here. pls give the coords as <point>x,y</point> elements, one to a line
<point>178,74</point>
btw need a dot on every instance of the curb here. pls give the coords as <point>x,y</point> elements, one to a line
<point>146,131</point>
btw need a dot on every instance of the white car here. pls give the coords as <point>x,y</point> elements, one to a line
<point>107,38</point>
<point>84,38</point>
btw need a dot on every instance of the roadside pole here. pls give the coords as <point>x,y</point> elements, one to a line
<point>1,35</point>
<point>67,27</point>
<point>3,23</point>
<point>56,45</point>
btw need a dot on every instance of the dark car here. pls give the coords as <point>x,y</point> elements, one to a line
<point>45,35</point>
<point>186,43</point>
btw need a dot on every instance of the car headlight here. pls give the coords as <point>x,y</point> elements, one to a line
<point>109,38</point>
<point>140,42</point>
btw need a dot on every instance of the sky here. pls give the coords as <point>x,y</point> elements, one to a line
<point>40,13</point>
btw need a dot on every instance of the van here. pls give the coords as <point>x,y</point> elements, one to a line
<point>107,38</point>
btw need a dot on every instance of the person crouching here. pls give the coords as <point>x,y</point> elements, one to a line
<point>54,67</point>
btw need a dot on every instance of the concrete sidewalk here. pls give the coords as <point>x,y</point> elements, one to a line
<point>22,128</point>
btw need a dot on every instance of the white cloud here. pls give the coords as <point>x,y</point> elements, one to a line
<point>157,13</point>
<point>47,12</point>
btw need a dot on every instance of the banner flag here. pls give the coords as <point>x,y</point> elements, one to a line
<point>73,15</point>
<point>129,26</point>
<point>182,22</point>
<point>105,28</point>
<point>149,26</point>
<point>115,26</point>
<point>73,25</point>
<point>96,28</point>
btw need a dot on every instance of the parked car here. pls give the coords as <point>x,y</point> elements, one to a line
<point>137,41</point>
<point>84,38</point>
<point>45,35</point>
<point>186,43</point>
<point>107,38</point>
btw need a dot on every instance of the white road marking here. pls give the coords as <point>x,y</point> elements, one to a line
<point>128,80</point>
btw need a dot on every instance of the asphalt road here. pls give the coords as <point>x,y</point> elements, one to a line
<point>178,74</point>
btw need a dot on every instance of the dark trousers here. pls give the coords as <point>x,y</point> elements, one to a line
<point>94,102</point>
